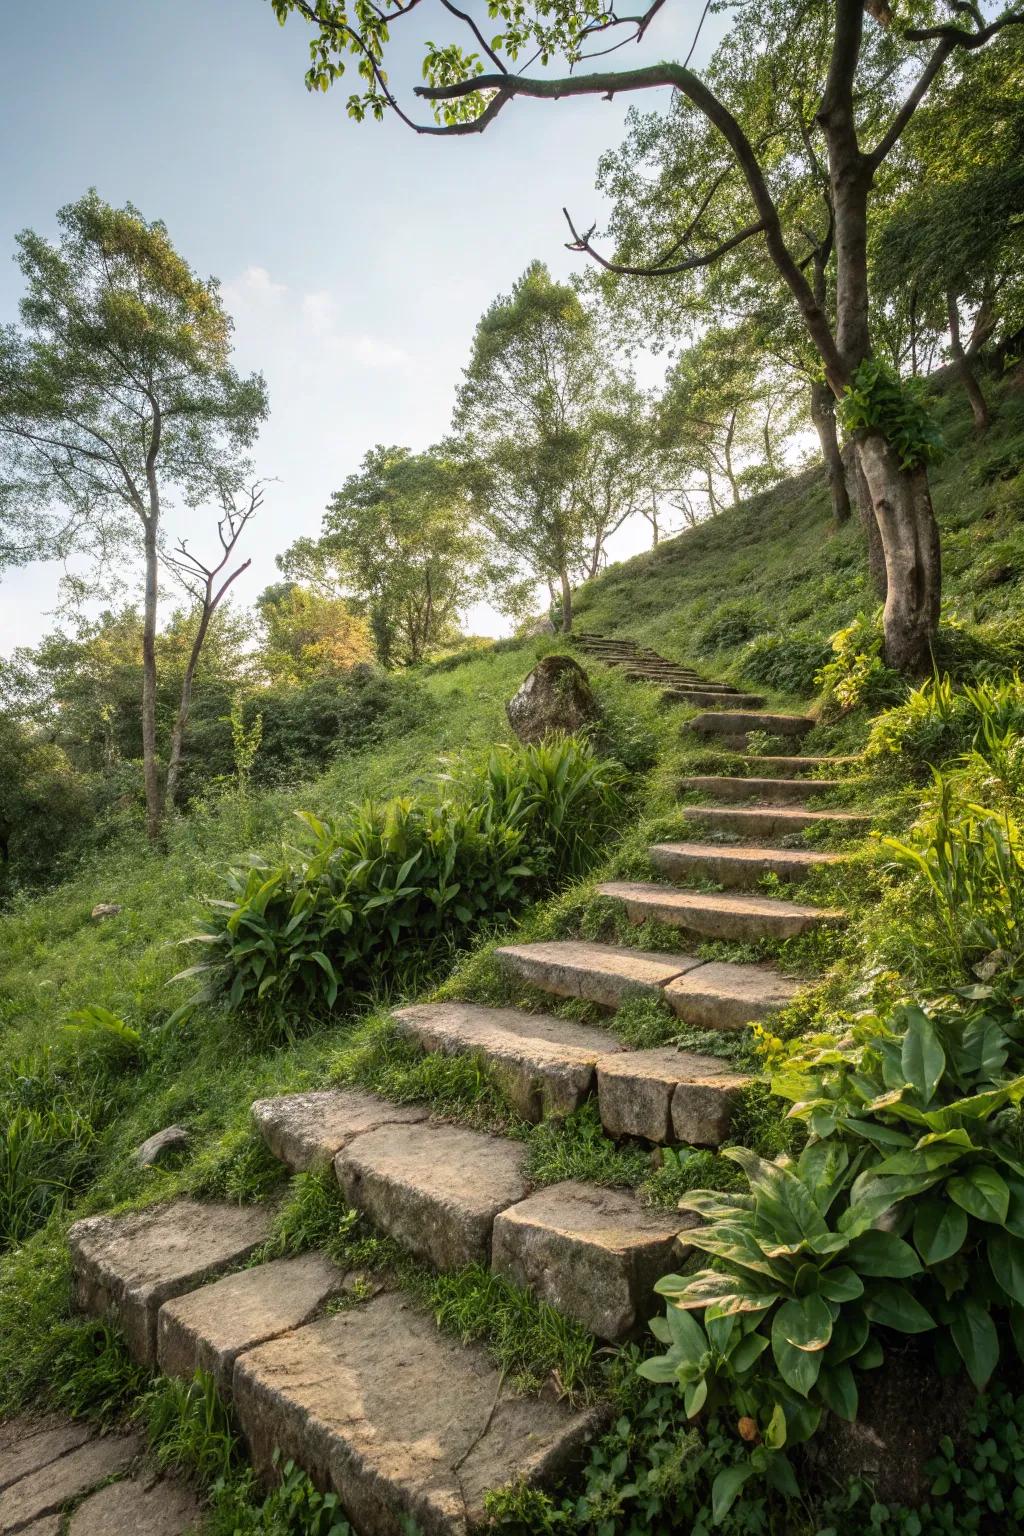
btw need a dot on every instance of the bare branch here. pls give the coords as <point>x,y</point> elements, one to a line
<point>582,243</point>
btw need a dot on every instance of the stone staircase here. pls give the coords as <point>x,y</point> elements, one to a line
<point>367,1395</point>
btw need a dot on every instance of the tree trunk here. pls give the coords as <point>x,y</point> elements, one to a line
<point>902,505</point>
<point>150,765</point>
<point>962,363</point>
<point>868,521</point>
<point>566,602</point>
<point>823,415</point>
<point>730,476</point>
<point>184,707</point>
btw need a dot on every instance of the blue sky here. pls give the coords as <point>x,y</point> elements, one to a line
<point>356,259</point>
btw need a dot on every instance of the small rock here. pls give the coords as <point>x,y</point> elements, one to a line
<point>174,1138</point>
<point>104,909</point>
<point>555,696</point>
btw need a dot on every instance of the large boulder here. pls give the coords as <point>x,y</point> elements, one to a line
<point>556,696</point>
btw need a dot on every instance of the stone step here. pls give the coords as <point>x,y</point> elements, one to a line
<point>707,994</point>
<point>546,1065</point>
<point>710,699</point>
<point>210,1328</point>
<point>771,820</point>
<point>126,1267</point>
<point>749,788</point>
<point>741,865</point>
<point>718,916</point>
<point>667,1095</point>
<point>594,1254</point>
<point>736,723</point>
<point>704,1094</point>
<point>52,1469</point>
<point>436,1189</point>
<point>405,1425</point>
<point>307,1130</point>
<point>793,767</point>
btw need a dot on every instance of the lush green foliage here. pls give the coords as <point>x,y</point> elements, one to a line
<point>878,400</point>
<point>385,892</point>
<point>940,721</point>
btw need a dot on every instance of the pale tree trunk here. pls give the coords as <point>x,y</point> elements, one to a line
<point>730,476</point>
<point>823,415</point>
<point>868,521</point>
<point>150,764</point>
<point>566,602</point>
<point>910,540</point>
<point>184,708</point>
<point>962,364</point>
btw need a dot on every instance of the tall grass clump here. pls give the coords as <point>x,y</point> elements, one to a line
<point>940,721</point>
<point>379,897</point>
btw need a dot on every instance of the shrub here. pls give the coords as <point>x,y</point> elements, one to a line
<point>857,675</point>
<point>939,721</point>
<point>878,400</point>
<point>790,663</point>
<point>381,896</point>
<point>733,624</point>
<point>903,1215</point>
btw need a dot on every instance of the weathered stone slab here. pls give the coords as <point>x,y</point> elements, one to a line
<point>721,995</point>
<point>738,722</point>
<point>545,1064</point>
<point>593,1253</point>
<point>165,1508</point>
<point>555,696</point>
<point>173,1138</point>
<point>209,1328</point>
<point>49,1488</point>
<point>398,1420</point>
<point>722,915</point>
<point>771,820</point>
<point>27,1444</point>
<point>307,1129</point>
<point>128,1266</point>
<point>772,791</point>
<point>713,698</point>
<point>48,1526</point>
<point>737,865</point>
<point>600,973</point>
<point>791,767</point>
<point>637,1094</point>
<point>435,1188</point>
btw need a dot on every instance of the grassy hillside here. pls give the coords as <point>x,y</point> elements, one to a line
<point>753,596</point>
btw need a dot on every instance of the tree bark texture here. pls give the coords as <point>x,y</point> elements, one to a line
<point>964,368</point>
<point>902,505</point>
<point>566,603</point>
<point>823,415</point>
<point>150,765</point>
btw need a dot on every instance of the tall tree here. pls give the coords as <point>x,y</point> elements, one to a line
<point>117,389</point>
<point>310,634</point>
<point>468,95</point>
<point>523,416</point>
<point>398,540</point>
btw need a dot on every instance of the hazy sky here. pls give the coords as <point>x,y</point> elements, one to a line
<point>356,259</point>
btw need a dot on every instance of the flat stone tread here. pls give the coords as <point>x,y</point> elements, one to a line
<point>752,786</point>
<point>28,1444</point>
<point>610,1218</point>
<point>725,995</point>
<point>398,1419</point>
<point>208,1328</point>
<point>542,1035</point>
<point>134,1508</point>
<point>740,721</point>
<point>432,1159</point>
<point>666,1064</point>
<point>304,1129</point>
<point>795,813</point>
<point>165,1245</point>
<point>671,897</point>
<point>599,973</point>
<point>798,764</point>
<point>747,853</point>
<point>50,1487</point>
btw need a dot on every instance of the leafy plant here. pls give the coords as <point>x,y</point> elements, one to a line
<point>383,894</point>
<point>294,1507</point>
<point>878,400</point>
<point>857,674</point>
<point>939,721</point>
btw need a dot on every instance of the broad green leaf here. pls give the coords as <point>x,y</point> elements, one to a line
<point>974,1334</point>
<point>841,1284</point>
<point>747,1352</point>
<point>884,1255</point>
<point>982,1193</point>
<point>726,1487</point>
<point>1006,1257</point>
<point>894,1307</point>
<point>775,1434</point>
<point>659,1368</point>
<point>694,1397</point>
<point>939,1230</point>
<point>838,1387</point>
<point>922,1058</point>
<point>687,1334</point>
<point>800,1332</point>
